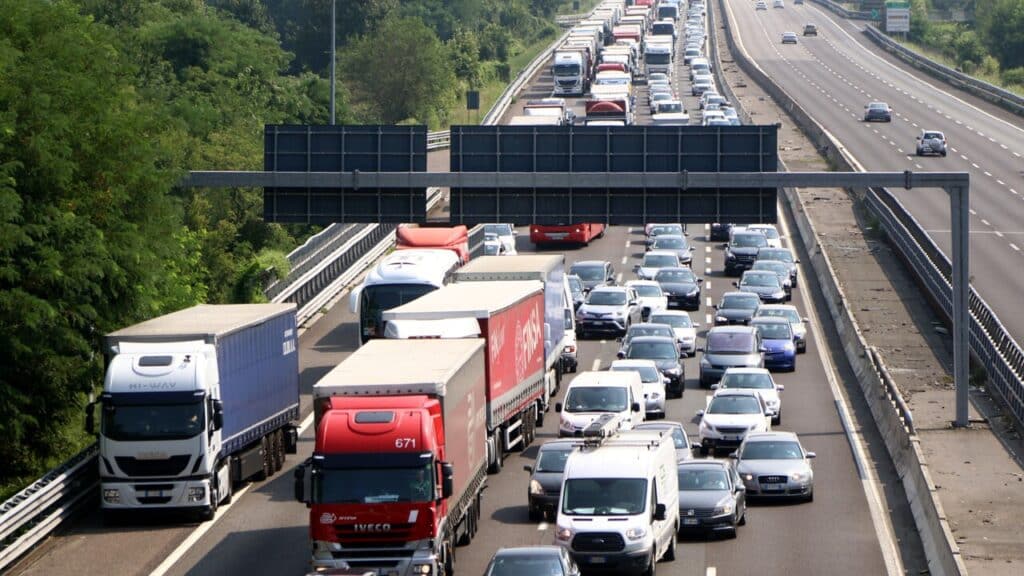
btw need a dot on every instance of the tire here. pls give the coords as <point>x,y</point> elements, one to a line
<point>943,153</point>
<point>267,468</point>
<point>731,533</point>
<point>449,560</point>
<point>670,553</point>
<point>211,511</point>
<point>777,419</point>
<point>535,514</point>
<point>496,466</point>
<point>810,497</point>
<point>652,568</point>
<point>277,441</point>
<point>704,450</point>
<point>743,518</point>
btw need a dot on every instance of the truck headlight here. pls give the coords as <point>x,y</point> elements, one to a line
<point>535,487</point>
<point>111,495</point>
<point>422,569</point>
<point>564,534</point>
<point>197,494</point>
<point>636,533</point>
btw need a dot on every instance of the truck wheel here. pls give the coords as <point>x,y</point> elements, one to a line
<point>211,511</point>
<point>267,469</point>
<point>540,416</point>
<point>278,452</point>
<point>495,466</point>
<point>449,559</point>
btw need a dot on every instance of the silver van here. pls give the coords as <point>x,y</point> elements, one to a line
<point>729,347</point>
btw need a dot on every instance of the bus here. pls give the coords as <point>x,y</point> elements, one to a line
<point>401,277</point>
<point>583,233</point>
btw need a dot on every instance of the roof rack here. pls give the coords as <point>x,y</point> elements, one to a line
<point>606,427</point>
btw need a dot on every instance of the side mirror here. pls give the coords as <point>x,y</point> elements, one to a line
<point>447,480</point>
<point>696,324</point>
<point>515,232</point>
<point>528,468</point>
<point>353,299</point>
<point>695,446</point>
<point>700,280</point>
<point>724,245</point>
<point>805,319</point>
<point>558,407</point>
<point>811,455</point>
<point>740,487</point>
<point>218,414</point>
<point>735,283</point>
<point>618,338</point>
<point>797,261</point>
<point>300,478</point>
<point>635,407</point>
<point>700,413</point>
<point>90,418</point>
<point>633,302</point>
<point>659,512</point>
<point>699,349</point>
<point>716,386</point>
<point>917,137</point>
<point>636,268</point>
<point>714,306</point>
<point>780,387</point>
<point>762,349</point>
<point>768,413</point>
<point>734,455</point>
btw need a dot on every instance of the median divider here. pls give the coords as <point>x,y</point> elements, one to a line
<point>887,406</point>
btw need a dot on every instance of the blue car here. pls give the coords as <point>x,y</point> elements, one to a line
<point>777,341</point>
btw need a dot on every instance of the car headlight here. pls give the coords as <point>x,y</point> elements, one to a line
<point>799,476</point>
<point>748,477</point>
<point>535,487</point>
<point>675,370</point>
<point>565,425</point>
<point>721,319</point>
<point>730,256</point>
<point>705,362</point>
<point>693,292</point>
<point>705,427</point>
<point>111,495</point>
<point>655,395</point>
<point>723,510</point>
<point>618,314</point>
<point>636,533</point>
<point>772,403</point>
<point>563,533</point>
<point>789,345</point>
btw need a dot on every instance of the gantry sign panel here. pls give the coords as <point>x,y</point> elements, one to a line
<point>302,148</point>
<point>539,149</point>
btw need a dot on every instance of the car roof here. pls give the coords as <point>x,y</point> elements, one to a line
<point>660,253</point>
<point>704,464</point>
<point>633,363</point>
<point>529,551</point>
<point>669,313</point>
<point>641,283</point>
<point>758,272</point>
<point>732,329</point>
<point>769,320</point>
<point>590,263</point>
<point>773,435</point>
<point>746,370</point>
<point>608,289</point>
<point>559,445</point>
<point>740,293</point>
<point>641,339</point>
<point>737,392</point>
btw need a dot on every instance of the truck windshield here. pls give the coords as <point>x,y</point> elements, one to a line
<point>567,70</point>
<point>604,496</point>
<point>374,485</point>
<point>381,297</point>
<point>596,399</point>
<point>153,422</point>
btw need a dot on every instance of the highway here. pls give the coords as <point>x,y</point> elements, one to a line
<point>835,74</point>
<point>264,531</point>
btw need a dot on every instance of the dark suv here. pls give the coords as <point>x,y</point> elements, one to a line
<point>810,30</point>
<point>594,273</point>
<point>741,251</point>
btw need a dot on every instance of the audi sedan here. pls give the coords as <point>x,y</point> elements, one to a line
<point>775,465</point>
<point>877,111</point>
<point>789,38</point>
<point>553,560</point>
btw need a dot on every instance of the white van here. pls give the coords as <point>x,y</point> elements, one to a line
<point>699,66</point>
<point>593,394</point>
<point>619,505</point>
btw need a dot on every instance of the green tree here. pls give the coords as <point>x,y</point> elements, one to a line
<point>400,71</point>
<point>1003,31</point>
<point>919,23</point>
<point>464,51</point>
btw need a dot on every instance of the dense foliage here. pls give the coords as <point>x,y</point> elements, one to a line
<point>106,104</point>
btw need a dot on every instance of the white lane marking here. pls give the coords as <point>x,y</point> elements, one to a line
<point>971,210</point>
<point>711,571</point>
<point>1004,146</point>
<point>1016,154</point>
<point>900,150</point>
<point>625,258</point>
<point>1000,182</point>
<point>989,174</point>
<point>618,278</point>
<point>707,320</point>
<point>975,165</point>
<point>953,149</point>
<point>707,260</point>
<point>1012,190</point>
<point>707,250</point>
<point>999,234</point>
<point>985,222</point>
<point>707,271</point>
<point>629,229</point>
<point>709,301</point>
<point>596,364</point>
<point>964,157</point>
<point>1014,246</point>
<point>628,243</point>
<point>542,526</point>
<point>707,285</point>
<point>918,166</point>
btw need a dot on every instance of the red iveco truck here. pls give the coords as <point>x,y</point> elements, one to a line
<point>399,462</point>
<point>510,317</point>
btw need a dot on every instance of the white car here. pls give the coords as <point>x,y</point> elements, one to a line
<point>778,4</point>
<point>770,232</point>
<point>654,261</point>
<point>701,85</point>
<point>761,5</point>
<point>714,118</point>
<point>651,297</point>
<point>759,379</point>
<point>729,416</point>
<point>653,384</point>
<point>506,234</point>
<point>685,329</point>
<point>789,312</point>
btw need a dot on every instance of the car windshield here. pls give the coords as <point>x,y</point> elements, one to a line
<point>653,350</point>
<point>648,330</point>
<point>604,496</point>
<point>780,254</point>
<point>740,302</point>
<point>675,275</point>
<point>575,285</point>
<point>690,480</point>
<point>669,243</point>
<point>673,320</point>
<point>667,230</point>
<point>648,374</point>
<point>770,279</point>
<point>730,343</point>
<point>648,290</point>
<point>772,450</point>
<point>757,381</point>
<point>670,108</point>
<point>596,399</point>
<point>661,96</point>
<point>768,232</point>
<point>518,564</point>
<point>787,313</point>
<point>749,240</point>
<point>497,229</point>
<point>734,405</point>
<point>775,331</point>
<point>588,272</point>
<point>607,298</point>
<point>552,460</point>
<point>660,260</point>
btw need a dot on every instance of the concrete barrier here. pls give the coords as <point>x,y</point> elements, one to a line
<point>941,550</point>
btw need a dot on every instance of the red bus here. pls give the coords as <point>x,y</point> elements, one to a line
<point>566,234</point>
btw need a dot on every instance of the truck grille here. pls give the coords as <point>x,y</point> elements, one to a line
<point>350,536</point>
<point>170,467</point>
<point>598,542</point>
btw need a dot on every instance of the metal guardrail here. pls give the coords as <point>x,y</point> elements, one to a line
<point>991,344</point>
<point>569,20</point>
<point>995,94</point>
<point>892,391</point>
<point>321,267</point>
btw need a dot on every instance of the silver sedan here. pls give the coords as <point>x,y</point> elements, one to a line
<point>775,465</point>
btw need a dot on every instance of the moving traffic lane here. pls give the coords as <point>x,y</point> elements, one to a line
<point>833,76</point>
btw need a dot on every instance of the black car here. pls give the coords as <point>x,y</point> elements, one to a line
<point>546,560</point>
<point>741,251</point>
<point>736,308</point>
<point>546,477</point>
<point>664,350</point>
<point>593,273</point>
<point>712,497</point>
<point>681,286</point>
<point>720,231</point>
<point>877,111</point>
<point>782,255</point>
<point>576,289</point>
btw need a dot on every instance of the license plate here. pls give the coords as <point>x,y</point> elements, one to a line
<point>152,493</point>
<point>690,521</point>
<point>598,559</point>
<point>557,236</point>
<point>772,486</point>
<point>731,438</point>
